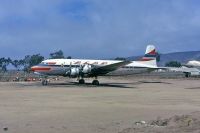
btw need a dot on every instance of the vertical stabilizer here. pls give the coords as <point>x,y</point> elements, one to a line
<point>150,56</point>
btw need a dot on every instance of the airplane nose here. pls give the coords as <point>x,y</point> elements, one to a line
<point>33,68</point>
<point>40,68</point>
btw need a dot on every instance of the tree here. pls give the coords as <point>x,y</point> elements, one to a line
<point>69,57</point>
<point>4,63</point>
<point>57,55</point>
<point>120,58</point>
<point>173,64</point>
<point>15,63</point>
<point>18,64</point>
<point>26,61</point>
<point>31,60</point>
<point>35,60</point>
<point>21,63</point>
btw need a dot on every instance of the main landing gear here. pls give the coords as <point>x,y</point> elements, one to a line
<point>81,81</point>
<point>94,82</point>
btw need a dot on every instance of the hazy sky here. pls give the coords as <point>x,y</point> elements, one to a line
<point>97,28</point>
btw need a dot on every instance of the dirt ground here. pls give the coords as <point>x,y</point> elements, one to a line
<point>118,105</point>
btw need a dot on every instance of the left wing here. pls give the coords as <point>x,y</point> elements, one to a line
<point>157,68</point>
<point>97,71</point>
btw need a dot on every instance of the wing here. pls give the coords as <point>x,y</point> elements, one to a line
<point>157,68</point>
<point>98,71</point>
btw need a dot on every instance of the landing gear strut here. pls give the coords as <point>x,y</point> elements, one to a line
<point>44,82</point>
<point>82,81</point>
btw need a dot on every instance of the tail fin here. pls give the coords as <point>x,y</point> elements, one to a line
<point>150,53</point>
<point>150,56</point>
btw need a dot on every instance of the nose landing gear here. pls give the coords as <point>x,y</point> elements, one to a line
<point>45,82</point>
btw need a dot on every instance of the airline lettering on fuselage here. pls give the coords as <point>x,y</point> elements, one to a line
<point>95,63</point>
<point>51,63</point>
<point>86,63</point>
<point>78,62</point>
<point>104,63</point>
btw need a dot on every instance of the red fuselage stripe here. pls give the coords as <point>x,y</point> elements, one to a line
<point>41,69</point>
<point>51,63</point>
<point>153,52</point>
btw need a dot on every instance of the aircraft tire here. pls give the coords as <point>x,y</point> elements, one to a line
<point>81,81</point>
<point>95,82</point>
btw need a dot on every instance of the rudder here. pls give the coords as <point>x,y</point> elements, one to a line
<point>150,56</point>
<point>150,53</point>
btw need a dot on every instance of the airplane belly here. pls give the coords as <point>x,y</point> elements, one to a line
<point>59,70</point>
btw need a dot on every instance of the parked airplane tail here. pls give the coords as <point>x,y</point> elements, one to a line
<point>150,53</point>
<point>150,56</point>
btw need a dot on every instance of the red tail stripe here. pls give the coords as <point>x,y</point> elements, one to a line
<point>153,52</point>
<point>146,59</point>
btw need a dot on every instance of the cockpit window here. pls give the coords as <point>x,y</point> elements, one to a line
<point>43,64</point>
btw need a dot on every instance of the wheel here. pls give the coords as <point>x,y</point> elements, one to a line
<point>187,75</point>
<point>81,81</point>
<point>95,82</point>
<point>44,82</point>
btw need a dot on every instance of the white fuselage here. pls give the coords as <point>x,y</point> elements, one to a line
<point>61,66</point>
<point>76,62</point>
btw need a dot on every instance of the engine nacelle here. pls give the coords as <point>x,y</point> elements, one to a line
<point>79,71</point>
<point>74,71</point>
<point>87,69</point>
